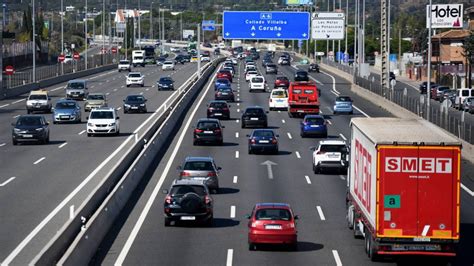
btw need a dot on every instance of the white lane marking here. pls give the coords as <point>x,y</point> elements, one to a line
<point>362,112</point>
<point>3,144</point>
<point>283,121</point>
<point>470,192</point>
<point>156,190</point>
<point>7,181</point>
<point>307,179</point>
<point>108,93</point>
<point>279,111</point>
<point>71,212</point>
<point>238,104</point>
<point>21,100</point>
<point>298,155</point>
<point>236,154</point>
<point>122,86</point>
<point>289,135</point>
<point>238,110</point>
<point>5,105</point>
<point>237,121</point>
<point>236,134</point>
<point>118,108</point>
<point>230,255</point>
<point>238,99</point>
<point>62,145</point>
<point>235,179</point>
<point>320,212</point>
<point>115,89</point>
<point>58,88</point>
<point>82,132</point>
<point>342,177</point>
<point>321,111</point>
<point>425,230</point>
<point>342,136</point>
<point>335,93</point>
<point>329,122</point>
<point>333,82</point>
<point>336,257</point>
<point>39,160</point>
<point>232,211</point>
<point>141,93</point>
<point>147,89</point>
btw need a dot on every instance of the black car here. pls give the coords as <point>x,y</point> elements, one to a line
<point>28,128</point>
<point>218,109</point>
<point>165,83</point>
<point>134,103</point>
<point>160,60</point>
<point>180,59</point>
<point>254,116</point>
<point>271,68</point>
<point>255,56</point>
<point>313,68</point>
<point>424,85</point>
<point>263,140</point>
<point>392,76</point>
<point>188,200</point>
<point>224,93</point>
<point>208,130</point>
<point>301,75</point>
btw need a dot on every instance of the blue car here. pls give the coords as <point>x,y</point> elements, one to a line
<point>343,104</point>
<point>263,140</point>
<point>67,111</point>
<point>314,125</point>
<point>220,83</point>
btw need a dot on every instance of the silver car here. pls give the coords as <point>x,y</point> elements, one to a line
<point>95,100</point>
<point>201,168</point>
<point>67,111</point>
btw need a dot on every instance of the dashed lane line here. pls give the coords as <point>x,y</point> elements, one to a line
<point>232,211</point>
<point>336,257</point>
<point>289,135</point>
<point>320,212</point>
<point>5,105</point>
<point>7,181</point>
<point>3,144</point>
<point>283,121</point>
<point>21,100</point>
<point>342,136</point>
<point>230,254</point>
<point>307,179</point>
<point>82,132</point>
<point>39,160</point>
<point>236,154</point>
<point>236,134</point>
<point>235,179</point>
<point>62,145</point>
<point>298,155</point>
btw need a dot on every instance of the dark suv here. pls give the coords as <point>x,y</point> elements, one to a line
<point>254,116</point>
<point>208,130</point>
<point>29,128</point>
<point>188,201</point>
<point>301,75</point>
<point>218,109</point>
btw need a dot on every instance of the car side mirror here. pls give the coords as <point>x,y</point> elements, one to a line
<point>13,124</point>
<point>165,191</point>
<point>312,148</point>
<point>277,135</point>
<point>247,216</point>
<point>248,136</point>
<point>296,217</point>
<point>219,168</point>
<point>118,117</point>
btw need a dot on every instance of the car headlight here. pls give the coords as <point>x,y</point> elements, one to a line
<point>39,129</point>
<point>90,124</point>
<point>111,124</point>
<point>16,129</point>
<point>142,104</point>
<point>127,105</point>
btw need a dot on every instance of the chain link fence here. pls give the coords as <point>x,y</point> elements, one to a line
<point>21,78</point>
<point>440,114</point>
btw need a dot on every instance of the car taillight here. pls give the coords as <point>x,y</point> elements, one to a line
<point>184,173</point>
<point>305,123</point>
<point>210,109</point>
<point>217,130</point>
<point>252,141</point>
<point>211,174</point>
<point>274,141</point>
<point>291,225</point>
<point>168,199</point>
<point>207,199</point>
<point>253,225</point>
<point>225,109</point>
<point>197,130</point>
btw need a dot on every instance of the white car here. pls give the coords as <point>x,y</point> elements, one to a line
<point>135,78</point>
<point>230,69</point>
<point>257,83</point>
<point>234,61</point>
<point>330,155</point>
<point>250,74</point>
<point>278,99</point>
<point>205,58</point>
<point>103,121</point>
<point>250,68</point>
<point>124,65</point>
<point>168,65</point>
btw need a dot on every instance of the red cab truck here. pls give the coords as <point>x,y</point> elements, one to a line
<point>303,98</point>
<point>403,187</point>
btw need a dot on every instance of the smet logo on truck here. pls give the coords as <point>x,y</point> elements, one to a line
<point>418,165</point>
<point>362,173</point>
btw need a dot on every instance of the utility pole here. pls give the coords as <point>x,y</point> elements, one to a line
<point>428,83</point>
<point>34,42</point>
<point>139,26</point>
<point>151,20</point>
<point>103,30</point>
<point>356,37</point>
<point>125,34</point>
<point>181,22</point>
<point>85,34</point>
<point>109,20</point>
<point>346,53</point>
<point>362,46</point>
<point>199,50</point>
<point>383,38</point>
<point>62,36</point>
<point>339,41</point>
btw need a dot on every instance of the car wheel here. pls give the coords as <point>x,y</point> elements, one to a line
<point>117,133</point>
<point>351,112</point>
<point>28,111</point>
<point>250,150</point>
<point>143,85</point>
<point>46,141</point>
<point>302,134</point>
<point>293,247</point>
<point>14,142</point>
<point>252,246</point>
<point>195,143</point>
<point>89,134</point>
<point>54,122</point>
<point>275,151</point>
<point>315,170</point>
<point>145,111</point>
<point>265,125</point>
<point>167,222</point>
<point>242,125</point>
<point>334,112</point>
<point>128,85</point>
<point>325,135</point>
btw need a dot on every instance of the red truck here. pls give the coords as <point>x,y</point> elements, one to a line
<point>303,98</point>
<point>403,187</point>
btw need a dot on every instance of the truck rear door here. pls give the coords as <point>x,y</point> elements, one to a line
<point>418,192</point>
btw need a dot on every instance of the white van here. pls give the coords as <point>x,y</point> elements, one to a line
<point>138,58</point>
<point>462,94</point>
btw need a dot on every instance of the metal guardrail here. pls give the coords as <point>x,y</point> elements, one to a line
<point>438,116</point>
<point>22,78</point>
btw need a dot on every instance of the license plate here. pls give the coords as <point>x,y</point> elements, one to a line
<point>225,93</point>
<point>208,132</point>
<point>314,126</point>
<point>134,107</point>
<point>264,141</point>
<point>27,136</point>
<point>199,178</point>
<point>333,156</point>
<point>217,114</point>
<point>254,118</point>
<point>37,106</point>
<point>300,111</point>
<point>279,101</point>
<point>64,117</point>
<point>273,227</point>
<point>188,218</point>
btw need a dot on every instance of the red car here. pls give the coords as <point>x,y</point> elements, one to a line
<point>272,223</point>
<point>224,74</point>
<point>282,82</point>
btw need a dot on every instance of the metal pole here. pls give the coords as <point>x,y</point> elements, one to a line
<point>356,14</point>
<point>346,22</point>
<point>151,20</point>
<point>85,35</point>
<point>62,36</point>
<point>163,25</point>
<point>139,26</point>
<point>181,22</point>
<point>339,41</point>
<point>203,38</point>
<point>307,41</point>
<point>362,47</point>
<point>198,46</point>
<point>333,42</point>
<point>34,42</point>
<point>110,27</point>
<point>327,42</point>
<point>102,29</point>
<point>159,23</point>
<point>428,83</point>
<point>125,34</point>
<point>315,41</point>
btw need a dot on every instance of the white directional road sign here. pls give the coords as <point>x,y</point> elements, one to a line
<point>328,26</point>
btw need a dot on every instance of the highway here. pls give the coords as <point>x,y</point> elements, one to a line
<point>42,185</point>
<point>140,237</point>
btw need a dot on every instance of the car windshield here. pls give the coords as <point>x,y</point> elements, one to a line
<point>198,166</point>
<point>29,121</point>
<point>304,74</point>
<point>224,72</point>
<point>224,89</point>
<point>102,115</point>
<point>282,78</point>
<point>252,73</point>
<point>279,94</point>
<point>38,97</point>
<point>65,105</point>
<point>273,214</point>
<point>134,75</point>
<point>223,81</point>
<point>135,98</point>
<point>315,120</point>
<point>123,62</point>
<point>95,97</point>
<point>263,133</point>
<point>333,148</point>
<point>166,79</point>
<point>257,80</point>
<point>343,99</point>
<point>208,125</point>
<point>138,57</point>
<point>76,85</point>
<point>254,111</point>
<point>218,105</point>
<point>180,190</point>
<point>168,63</point>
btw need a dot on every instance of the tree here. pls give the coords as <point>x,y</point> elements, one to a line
<point>468,47</point>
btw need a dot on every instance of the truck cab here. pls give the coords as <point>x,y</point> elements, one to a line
<point>303,98</point>
<point>138,58</point>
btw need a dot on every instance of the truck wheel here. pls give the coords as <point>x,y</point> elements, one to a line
<point>350,215</point>
<point>167,222</point>
<point>371,248</point>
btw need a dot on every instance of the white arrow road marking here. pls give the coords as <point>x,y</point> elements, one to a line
<point>269,168</point>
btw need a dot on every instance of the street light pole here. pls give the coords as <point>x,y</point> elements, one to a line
<point>85,35</point>
<point>103,28</point>
<point>62,36</point>
<point>139,26</point>
<point>428,82</point>
<point>198,46</point>
<point>151,20</point>
<point>34,42</point>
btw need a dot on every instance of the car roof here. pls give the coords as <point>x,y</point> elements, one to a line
<point>77,80</point>
<point>66,100</point>
<point>39,92</point>
<point>263,130</point>
<point>332,142</point>
<point>314,116</point>
<point>198,158</point>
<point>188,182</point>
<point>26,116</point>
<point>134,73</point>
<point>97,93</point>
<point>168,62</point>
<point>272,206</point>
<point>218,101</point>
<point>103,109</point>
<point>253,107</point>
<point>208,119</point>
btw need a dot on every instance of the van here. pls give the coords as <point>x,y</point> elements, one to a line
<point>77,89</point>
<point>462,94</point>
<point>138,58</point>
